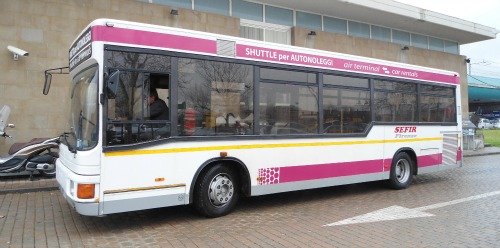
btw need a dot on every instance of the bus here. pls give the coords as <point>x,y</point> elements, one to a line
<point>243,118</point>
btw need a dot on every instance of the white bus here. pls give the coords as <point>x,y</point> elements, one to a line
<point>243,118</point>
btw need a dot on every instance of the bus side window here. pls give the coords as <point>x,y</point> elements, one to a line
<point>157,116</point>
<point>129,113</point>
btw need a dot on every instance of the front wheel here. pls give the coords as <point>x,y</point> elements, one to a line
<point>216,193</point>
<point>401,171</point>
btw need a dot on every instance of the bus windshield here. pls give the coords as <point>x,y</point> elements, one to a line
<point>83,116</point>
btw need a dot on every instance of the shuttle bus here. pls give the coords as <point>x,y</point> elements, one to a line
<point>241,118</point>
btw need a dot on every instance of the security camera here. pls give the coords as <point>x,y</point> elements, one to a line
<point>17,52</point>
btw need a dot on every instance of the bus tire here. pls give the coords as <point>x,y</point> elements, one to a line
<point>401,174</point>
<point>217,191</point>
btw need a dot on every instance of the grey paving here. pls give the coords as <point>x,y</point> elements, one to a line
<point>297,219</point>
<point>482,152</point>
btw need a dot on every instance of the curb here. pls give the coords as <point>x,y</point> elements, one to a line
<point>482,154</point>
<point>27,190</point>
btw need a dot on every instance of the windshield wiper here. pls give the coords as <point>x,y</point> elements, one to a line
<point>65,136</point>
<point>85,119</point>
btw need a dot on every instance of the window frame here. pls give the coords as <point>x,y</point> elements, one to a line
<point>341,88</point>
<point>142,120</point>
<point>454,97</point>
<point>415,91</point>
<point>256,97</point>
<point>251,73</point>
<point>291,83</point>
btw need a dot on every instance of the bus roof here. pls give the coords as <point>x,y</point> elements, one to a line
<point>127,33</point>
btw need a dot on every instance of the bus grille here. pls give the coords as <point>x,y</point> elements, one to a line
<point>450,149</point>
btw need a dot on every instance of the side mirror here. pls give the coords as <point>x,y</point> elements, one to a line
<point>112,84</point>
<point>48,77</point>
<point>46,86</point>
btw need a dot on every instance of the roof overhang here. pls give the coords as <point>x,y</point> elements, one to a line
<point>396,15</point>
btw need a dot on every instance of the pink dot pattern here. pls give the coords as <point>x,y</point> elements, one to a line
<point>269,176</point>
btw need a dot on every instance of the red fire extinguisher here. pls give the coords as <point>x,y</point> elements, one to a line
<point>189,121</point>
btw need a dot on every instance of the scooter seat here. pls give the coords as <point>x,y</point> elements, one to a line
<point>18,146</point>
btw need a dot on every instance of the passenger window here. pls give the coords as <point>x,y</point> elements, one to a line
<point>395,101</point>
<point>437,109</point>
<point>437,104</point>
<point>346,110</point>
<point>288,109</point>
<point>215,98</point>
<point>395,107</point>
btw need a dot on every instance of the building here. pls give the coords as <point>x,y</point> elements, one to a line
<point>484,95</point>
<point>380,29</point>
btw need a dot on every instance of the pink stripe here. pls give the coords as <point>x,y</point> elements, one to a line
<point>288,57</point>
<point>459,154</point>
<point>320,171</point>
<point>430,160</point>
<point>178,42</point>
<point>146,38</point>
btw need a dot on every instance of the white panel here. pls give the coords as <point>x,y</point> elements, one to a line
<point>226,48</point>
<point>450,147</point>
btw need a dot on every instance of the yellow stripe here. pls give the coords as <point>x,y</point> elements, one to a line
<point>114,191</point>
<point>263,146</point>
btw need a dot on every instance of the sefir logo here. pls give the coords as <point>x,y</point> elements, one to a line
<point>405,132</point>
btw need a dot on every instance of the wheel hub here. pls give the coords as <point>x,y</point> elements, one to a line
<point>402,170</point>
<point>221,190</point>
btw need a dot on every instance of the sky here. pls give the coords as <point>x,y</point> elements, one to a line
<point>484,55</point>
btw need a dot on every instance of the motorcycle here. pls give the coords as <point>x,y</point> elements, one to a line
<point>39,154</point>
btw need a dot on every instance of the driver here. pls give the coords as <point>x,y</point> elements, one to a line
<point>158,109</point>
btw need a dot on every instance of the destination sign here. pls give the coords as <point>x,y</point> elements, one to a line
<point>81,49</point>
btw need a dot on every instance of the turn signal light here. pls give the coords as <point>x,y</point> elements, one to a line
<point>85,191</point>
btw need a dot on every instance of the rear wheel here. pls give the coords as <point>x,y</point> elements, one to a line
<point>401,171</point>
<point>216,192</point>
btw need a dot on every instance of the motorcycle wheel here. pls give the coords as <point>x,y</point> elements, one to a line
<point>51,173</point>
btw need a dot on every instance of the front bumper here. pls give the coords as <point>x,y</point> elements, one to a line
<point>83,208</point>
<point>68,182</point>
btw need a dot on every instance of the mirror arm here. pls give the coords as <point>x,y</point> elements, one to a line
<point>48,77</point>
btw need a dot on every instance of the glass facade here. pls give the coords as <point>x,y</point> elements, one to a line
<point>401,37</point>
<point>381,33</point>
<point>436,44</point>
<point>186,4</point>
<point>359,29</point>
<point>308,20</point>
<point>260,12</point>
<point>451,47</point>
<point>248,10</point>
<point>213,6</point>
<point>279,15</point>
<point>334,25</point>
<point>420,41</point>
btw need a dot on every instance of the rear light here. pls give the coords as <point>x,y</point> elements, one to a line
<point>85,191</point>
